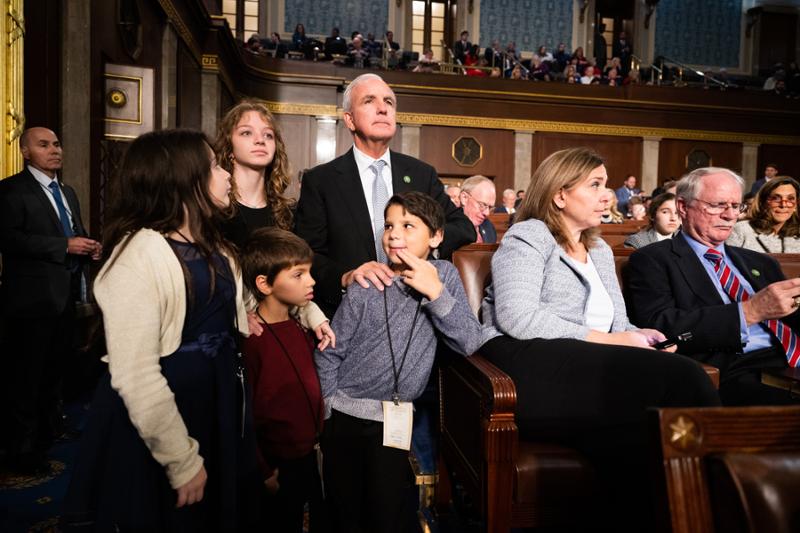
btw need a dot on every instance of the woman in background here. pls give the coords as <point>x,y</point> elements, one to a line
<point>773,223</point>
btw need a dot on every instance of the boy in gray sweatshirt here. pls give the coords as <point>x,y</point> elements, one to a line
<point>385,346</point>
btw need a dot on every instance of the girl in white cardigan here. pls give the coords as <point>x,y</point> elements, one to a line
<point>168,443</point>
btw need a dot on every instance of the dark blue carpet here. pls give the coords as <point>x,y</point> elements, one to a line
<point>33,503</point>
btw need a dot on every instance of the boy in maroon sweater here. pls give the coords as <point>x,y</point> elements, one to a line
<point>287,403</point>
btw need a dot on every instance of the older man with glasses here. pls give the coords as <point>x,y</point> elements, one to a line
<point>478,196</point>
<point>738,306</point>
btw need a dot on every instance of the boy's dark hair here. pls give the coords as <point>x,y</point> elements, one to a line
<point>420,205</point>
<point>267,252</point>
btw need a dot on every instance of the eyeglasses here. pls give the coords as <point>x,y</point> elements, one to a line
<point>780,200</point>
<point>483,206</point>
<point>719,208</point>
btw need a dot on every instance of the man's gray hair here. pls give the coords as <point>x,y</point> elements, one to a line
<point>347,103</point>
<point>689,186</point>
<point>473,181</point>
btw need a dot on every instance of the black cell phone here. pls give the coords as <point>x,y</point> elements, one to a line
<point>672,341</point>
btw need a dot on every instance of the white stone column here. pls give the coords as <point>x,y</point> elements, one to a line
<point>523,153</point>
<point>583,31</point>
<point>750,163</point>
<point>209,101</point>
<point>410,139</point>
<point>650,146</point>
<point>326,139</point>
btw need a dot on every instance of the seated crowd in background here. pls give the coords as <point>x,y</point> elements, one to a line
<point>496,61</point>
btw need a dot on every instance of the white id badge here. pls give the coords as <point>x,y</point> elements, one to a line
<point>397,422</point>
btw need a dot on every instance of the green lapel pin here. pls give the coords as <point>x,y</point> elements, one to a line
<point>755,272</point>
<point>407,179</point>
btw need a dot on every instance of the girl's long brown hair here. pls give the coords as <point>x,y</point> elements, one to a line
<point>163,180</point>
<point>276,175</point>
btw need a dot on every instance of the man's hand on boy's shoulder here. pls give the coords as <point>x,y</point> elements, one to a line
<point>421,275</point>
<point>379,274</point>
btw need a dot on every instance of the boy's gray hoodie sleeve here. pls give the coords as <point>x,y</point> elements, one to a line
<point>451,314</point>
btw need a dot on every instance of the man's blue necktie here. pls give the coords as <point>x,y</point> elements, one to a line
<point>62,210</point>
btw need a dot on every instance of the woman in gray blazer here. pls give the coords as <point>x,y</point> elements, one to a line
<point>664,222</point>
<point>584,374</point>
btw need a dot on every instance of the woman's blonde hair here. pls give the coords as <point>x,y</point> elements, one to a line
<point>276,175</point>
<point>561,170</point>
<point>613,208</point>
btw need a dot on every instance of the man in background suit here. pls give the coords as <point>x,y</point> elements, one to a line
<point>509,205</point>
<point>676,286</point>
<point>340,211</point>
<point>478,196</point>
<point>770,171</point>
<point>462,46</point>
<point>626,192</point>
<point>44,244</point>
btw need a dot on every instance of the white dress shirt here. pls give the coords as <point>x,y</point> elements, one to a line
<point>45,181</point>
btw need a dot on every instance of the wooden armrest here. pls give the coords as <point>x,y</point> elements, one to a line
<point>713,374</point>
<point>479,438</point>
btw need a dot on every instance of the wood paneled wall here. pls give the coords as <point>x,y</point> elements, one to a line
<point>783,156</point>
<point>435,147</point>
<point>673,153</point>
<point>623,155</point>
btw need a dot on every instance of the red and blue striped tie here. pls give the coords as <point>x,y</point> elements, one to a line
<point>730,282</point>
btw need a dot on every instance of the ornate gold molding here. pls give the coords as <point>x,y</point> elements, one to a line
<point>419,119</point>
<point>316,110</point>
<point>12,39</point>
<point>183,30</point>
<point>591,129</point>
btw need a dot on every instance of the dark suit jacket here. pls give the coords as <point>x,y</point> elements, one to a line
<point>760,182</point>
<point>333,217</point>
<point>460,49</point>
<point>488,232</point>
<point>669,290</point>
<point>36,266</point>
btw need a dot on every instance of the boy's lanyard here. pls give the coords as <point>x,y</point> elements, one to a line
<point>395,370</point>
<point>314,416</point>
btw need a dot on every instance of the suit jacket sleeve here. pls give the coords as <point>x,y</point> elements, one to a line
<point>458,230</point>
<point>15,236</point>
<point>311,226</point>
<point>714,328</point>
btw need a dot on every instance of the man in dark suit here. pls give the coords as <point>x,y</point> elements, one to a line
<point>335,44</point>
<point>462,46</point>
<point>340,211</point>
<point>770,171</point>
<point>478,195</point>
<point>735,302</point>
<point>509,205</point>
<point>44,244</point>
<point>493,55</point>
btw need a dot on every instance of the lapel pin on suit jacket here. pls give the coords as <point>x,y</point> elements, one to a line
<point>755,272</point>
<point>407,179</point>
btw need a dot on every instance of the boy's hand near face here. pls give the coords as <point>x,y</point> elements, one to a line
<point>421,275</point>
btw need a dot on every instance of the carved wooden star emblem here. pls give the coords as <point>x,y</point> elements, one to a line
<point>685,434</point>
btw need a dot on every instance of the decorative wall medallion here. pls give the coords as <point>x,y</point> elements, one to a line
<point>129,109</point>
<point>116,97</point>
<point>467,151</point>
<point>697,159</point>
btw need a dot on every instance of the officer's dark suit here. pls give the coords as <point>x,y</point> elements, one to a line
<point>40,281</point>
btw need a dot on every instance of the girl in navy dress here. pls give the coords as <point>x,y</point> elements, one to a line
<point>168,444</point>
